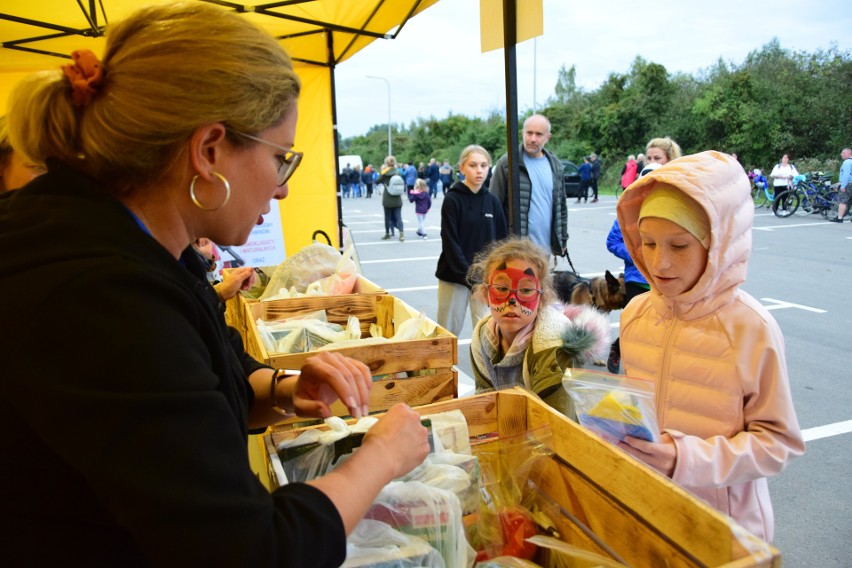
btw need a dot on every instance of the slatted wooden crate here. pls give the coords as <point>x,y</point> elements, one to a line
<point>428,363</point>
<point>235,308</point>
<point>616,503</point>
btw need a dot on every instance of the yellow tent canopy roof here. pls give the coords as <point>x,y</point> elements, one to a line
<point>34,34</point>
<point>317,34</point>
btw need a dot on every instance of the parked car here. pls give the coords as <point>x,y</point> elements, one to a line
<point>570,178</point>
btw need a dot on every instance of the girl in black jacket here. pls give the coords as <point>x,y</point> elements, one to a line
<point>471,218</point>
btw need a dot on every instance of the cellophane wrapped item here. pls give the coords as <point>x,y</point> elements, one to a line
<point>316,269</point>
<point>507,517</point>
<point>613,406</point>
<point>430,513</point>
<point>375,544</point>
<point>303,334</point>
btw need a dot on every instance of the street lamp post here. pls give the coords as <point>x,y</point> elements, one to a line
<point>390,153</point>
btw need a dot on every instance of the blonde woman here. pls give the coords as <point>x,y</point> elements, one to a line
<point>15,169</point>
<point>131,428</point>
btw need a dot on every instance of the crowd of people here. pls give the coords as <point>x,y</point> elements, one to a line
<point>357,183</point>
<point>139,455</point>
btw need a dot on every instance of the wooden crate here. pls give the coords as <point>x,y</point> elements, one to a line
<point>640,515</point>
<point>235,308</point>
<point>430,362</point>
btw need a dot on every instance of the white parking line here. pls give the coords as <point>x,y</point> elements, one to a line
<point>789,226</point>
<point>413,238</point>
<point>827,431</point>
<point>419,258</point>
<point>781,304</point>
<point>412,289</point>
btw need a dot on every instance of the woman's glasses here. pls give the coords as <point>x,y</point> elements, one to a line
<point>288,161</point>
<point>501,293</point>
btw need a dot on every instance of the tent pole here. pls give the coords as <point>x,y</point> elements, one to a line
<point>331,66</point>
<point>511,72</point>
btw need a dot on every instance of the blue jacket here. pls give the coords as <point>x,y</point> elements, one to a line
<point>585,171</point>
<point>615,245</point>
<point>410,176</point>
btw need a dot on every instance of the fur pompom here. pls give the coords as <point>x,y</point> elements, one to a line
<point>586,337</point>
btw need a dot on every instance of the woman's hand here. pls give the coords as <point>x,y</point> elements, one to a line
<point>233,281</point>
<point>328,376</point>
<point>661,456</point>
<point>400,436</point>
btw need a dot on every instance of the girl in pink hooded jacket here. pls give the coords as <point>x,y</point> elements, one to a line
<point>716,355</point>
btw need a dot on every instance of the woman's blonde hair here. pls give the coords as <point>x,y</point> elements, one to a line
<point>167,71</point>
<point>473,149</point>
<point>5,145</point>
<point>511,248</point>
<point>667,145</point>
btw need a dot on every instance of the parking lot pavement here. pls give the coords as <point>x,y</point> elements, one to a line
<point>800,269</point>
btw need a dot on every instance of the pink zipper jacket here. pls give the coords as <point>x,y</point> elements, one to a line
<point>714,352</point>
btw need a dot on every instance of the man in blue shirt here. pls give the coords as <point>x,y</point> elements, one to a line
<point>543,211</point>
<point>845,184</point>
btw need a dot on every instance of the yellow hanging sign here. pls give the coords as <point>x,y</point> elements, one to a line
<point>529,22</point>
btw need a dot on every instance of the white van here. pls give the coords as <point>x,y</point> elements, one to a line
<point>353,160</point>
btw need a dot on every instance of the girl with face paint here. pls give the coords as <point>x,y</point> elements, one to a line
<point>528,339</point>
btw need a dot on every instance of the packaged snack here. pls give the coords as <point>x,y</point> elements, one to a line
<point>613,406</point>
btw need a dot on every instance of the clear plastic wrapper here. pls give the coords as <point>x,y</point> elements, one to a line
<point>505,520</point>
<point>558,554</point>
<point>375,544</point>
<point>613,406</point>
<point>316,269</point>
<point>305,334</point>
<point>430,513</point>
<point>507,562</point>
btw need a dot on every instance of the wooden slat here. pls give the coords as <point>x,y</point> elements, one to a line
<point>386,358</point>
<point>414,391</point>
<point>641,516</point>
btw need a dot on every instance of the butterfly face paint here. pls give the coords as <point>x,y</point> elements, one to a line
<point>511,286</point>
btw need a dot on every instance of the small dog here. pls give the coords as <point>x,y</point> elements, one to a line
<point>605,293</point>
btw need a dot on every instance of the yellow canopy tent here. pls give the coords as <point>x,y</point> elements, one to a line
<point>318,35</point>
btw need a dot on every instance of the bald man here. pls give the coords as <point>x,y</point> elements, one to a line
<point>543,211</point>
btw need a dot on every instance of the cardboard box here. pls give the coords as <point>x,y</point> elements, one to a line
<point>615,502</point>
<point>427,365</point>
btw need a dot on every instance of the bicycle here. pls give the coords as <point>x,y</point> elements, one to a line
<point>816,195</point>
<point>761,192</point>
<point>786,203</point>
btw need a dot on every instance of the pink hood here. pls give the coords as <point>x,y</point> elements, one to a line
<point>723,193</point>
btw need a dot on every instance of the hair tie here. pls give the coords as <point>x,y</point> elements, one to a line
<point>85,75</point>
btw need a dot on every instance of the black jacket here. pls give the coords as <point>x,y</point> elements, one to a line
<point>469,222</point>
<point>499,186</point>
<point>124,402</point>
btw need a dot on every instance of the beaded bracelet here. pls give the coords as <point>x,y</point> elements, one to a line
<point>277,375</point>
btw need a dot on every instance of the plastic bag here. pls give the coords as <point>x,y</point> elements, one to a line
<point>430,513</point>
<point>419,327</point>
<point>613,406</point>
<point>302,335</point>
<point>313,263</point>
<point>315,452</point>
<point>505,520</point>
<point>507,562</point>
<point>560,554</point>
<point>374,543</point>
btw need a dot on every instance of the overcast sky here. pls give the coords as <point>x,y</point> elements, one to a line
<point>435,66</point>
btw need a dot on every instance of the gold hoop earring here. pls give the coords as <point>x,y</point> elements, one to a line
<point>198,203</point>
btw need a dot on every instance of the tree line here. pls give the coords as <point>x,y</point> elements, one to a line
<point>776,101</point>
